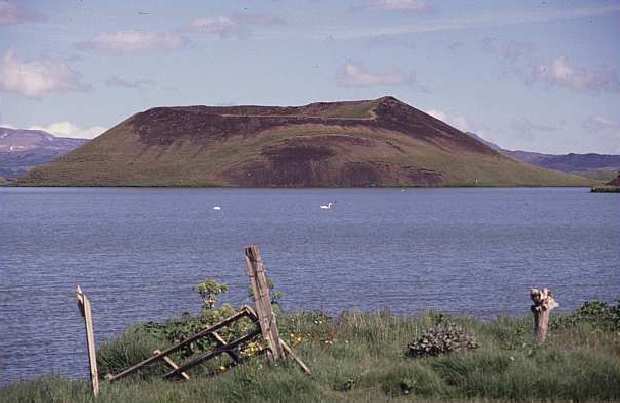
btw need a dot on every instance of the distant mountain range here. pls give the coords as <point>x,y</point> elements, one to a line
<point>601,167</point>
<point>378,142</point>
<point>21,150</point>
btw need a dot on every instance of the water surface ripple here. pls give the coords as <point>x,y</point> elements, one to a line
<point>138,252</point>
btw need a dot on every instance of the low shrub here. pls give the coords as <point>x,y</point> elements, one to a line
<point>597,314</point>
<point>442,339</point>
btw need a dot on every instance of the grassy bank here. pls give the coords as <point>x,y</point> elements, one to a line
<point>361,357</point>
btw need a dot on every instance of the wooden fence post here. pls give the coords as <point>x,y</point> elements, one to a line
<point>543,305</point>
<point>262,301</point>
<point>85,310</point>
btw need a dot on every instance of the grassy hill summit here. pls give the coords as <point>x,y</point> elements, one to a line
<point>380,142</point>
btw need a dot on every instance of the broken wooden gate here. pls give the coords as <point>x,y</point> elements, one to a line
<point>262,317</point>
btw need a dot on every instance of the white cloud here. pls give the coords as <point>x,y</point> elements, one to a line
<point>460,122</point>
<point>561,72</point>
<point>525,128</point>
<point>37,78</point>
<point>128,41</point>
<point>488,19</point>
<point>235,25</point>
<point>400,5</point>
<point>265,20</point>
<point>600,124</point>
<point>222,26</point>
<point>116,81</point>
<point>606,131</point>
<point>510,52</point>
<point>11,13</point>
<point>519,58</point>
<point>68,129</point>
<point>357,76</point>
<point>437,114</point>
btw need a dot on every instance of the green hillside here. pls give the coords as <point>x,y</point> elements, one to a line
<point>381,142</point>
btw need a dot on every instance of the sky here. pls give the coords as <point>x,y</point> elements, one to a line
<point>532,75</point>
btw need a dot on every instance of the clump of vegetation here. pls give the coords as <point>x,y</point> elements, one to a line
<point>358,357</point>
<point>597,314</point>
<point>442,339</point>
<point>134,345</point>
<point>209,290</point>
<point>139,342</point>
<point>179,329</point>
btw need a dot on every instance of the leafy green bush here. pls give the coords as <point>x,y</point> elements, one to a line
<point>442,339</point>
<point>209,291</point>
<point>176,330</point>
<point>596,313</point>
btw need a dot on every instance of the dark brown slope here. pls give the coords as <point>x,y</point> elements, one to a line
<point>165,125</point>
<point>382,142</point>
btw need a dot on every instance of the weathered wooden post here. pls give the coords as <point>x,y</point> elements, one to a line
<point>262,301</point>
<point>543,305</point>
<point>85,310</point>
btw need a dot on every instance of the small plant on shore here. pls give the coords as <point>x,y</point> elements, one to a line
<point>177,330</point>
<point>598,314</point>
<point>442,339</point>
<point>209,290</point>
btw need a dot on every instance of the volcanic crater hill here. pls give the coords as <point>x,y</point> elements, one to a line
<point>381,142</point>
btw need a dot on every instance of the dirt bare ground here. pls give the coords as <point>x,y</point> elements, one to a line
<point>202,124</point>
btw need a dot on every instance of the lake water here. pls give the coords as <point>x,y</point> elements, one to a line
<point>138,252</point>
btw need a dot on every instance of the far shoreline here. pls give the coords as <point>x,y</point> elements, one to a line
<point>15,185</point>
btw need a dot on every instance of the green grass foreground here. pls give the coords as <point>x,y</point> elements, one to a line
<point>361,357</point>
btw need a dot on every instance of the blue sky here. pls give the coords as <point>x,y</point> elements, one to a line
<point>534,75</point>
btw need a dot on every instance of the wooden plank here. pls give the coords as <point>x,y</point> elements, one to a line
<point>212,354</point>
<point>220,341</point>
<point>173,364</point>
<point>299,362</point>
<point>262,301</point>
<point>251,313</point>
<point>202,333</point>
<point>86,311</point>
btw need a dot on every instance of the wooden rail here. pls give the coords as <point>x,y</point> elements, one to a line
<point>299,362</point>
<point>263,317</point>
<point>173,364</point>
<point>220,342</point>
<point>242,313</point>
<point>212,354</point>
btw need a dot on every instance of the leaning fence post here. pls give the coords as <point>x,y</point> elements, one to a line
<point>85,310</point>
<point>262,300</point>
<point>543,305</point>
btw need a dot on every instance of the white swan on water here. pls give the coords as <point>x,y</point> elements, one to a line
<point>217,208</point>
<point>327,206</point>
